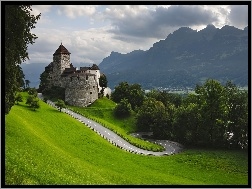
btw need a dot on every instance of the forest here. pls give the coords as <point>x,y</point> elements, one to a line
<point>215,116</point>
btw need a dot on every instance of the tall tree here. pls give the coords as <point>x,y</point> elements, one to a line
<point>44,81</point>
<point>237,116</point>
<point>103,82</point>
<point>20,77</point>
<point>213,107</point>
<point>27,83</point>
<point>152,116</point>
<point>18,24</point>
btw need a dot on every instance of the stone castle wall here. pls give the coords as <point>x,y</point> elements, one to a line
<point>80,91</point>
<point>60,63</point>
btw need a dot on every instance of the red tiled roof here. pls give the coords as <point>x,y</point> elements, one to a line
<point>61,50</point>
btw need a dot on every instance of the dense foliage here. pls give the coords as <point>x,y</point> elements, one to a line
<point>123,109</point>
<point>133,93</point>
<point>215,116</point>
<point>18,25</point>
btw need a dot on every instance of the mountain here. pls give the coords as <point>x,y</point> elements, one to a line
<point>185,58</point>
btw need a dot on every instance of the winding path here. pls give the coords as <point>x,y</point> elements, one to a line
<point>170,147</point>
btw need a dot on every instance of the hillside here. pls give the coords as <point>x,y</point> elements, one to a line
<point>186,57</point>
<point>47,147</point>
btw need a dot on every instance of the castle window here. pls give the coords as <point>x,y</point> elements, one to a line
<point>93,87</point>
<point>87,77</point>
<point>90,92</point>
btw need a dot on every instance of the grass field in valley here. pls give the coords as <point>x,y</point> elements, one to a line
<point>49,147</point>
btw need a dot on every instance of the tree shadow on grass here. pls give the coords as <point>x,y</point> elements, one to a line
<point>26,107</point>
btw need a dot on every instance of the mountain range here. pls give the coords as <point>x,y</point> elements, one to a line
<point>185,58</point>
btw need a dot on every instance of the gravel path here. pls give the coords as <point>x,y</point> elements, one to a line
<point>170,147</point>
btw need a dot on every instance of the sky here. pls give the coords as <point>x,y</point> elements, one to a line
<point>92,32</point>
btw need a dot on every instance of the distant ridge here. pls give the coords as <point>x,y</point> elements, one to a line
<point>185,58</point>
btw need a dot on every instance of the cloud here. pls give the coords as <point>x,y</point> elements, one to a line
<point>143,22</point>
<point>73,11</point>
<point>239,16</point>
<point>119,28</point>
<point>86,46</point>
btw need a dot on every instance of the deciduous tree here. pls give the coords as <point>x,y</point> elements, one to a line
<point>18,24</point>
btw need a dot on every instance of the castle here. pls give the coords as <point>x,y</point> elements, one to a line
<point>81,86</point>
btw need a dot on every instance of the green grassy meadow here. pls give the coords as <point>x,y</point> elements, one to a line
<point>102,111</point>
<point>47,147</point>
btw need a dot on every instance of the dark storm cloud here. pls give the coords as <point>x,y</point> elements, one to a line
<point>158,23</point>
<point>239,15</point>
<point>183,15</point>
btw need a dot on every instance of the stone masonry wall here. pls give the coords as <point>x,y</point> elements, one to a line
<point>60,63</point>
<point>82,91</point>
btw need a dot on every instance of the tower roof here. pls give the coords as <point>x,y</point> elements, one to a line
<point>61,50</point>
<point>94,67</point>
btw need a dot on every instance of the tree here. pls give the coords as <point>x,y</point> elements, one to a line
<point>214,111</point>
<point>165,97</point>
<point>44,81</point>
<point>32,91</point>
<point>60,104</point>
<point>237,116</point>
<point>136,96</point>
<point>20,77</point>
<point>103,82</point>
<point>18,24</point>
<point>133,93</point>
<point>33,102</point>
<point>186,125</point>
<point>121,91</point>
<point>152,116</point>
<point>18,98</point>
<point>123,109</point>
<point>27,82</point>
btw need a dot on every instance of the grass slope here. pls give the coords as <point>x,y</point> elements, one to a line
<point>48,147</point>
<point>102,111</point>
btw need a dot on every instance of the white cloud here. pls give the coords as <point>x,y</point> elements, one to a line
<point>73,11</point>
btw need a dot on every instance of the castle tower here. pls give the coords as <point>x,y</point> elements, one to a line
<point>61,61</point>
